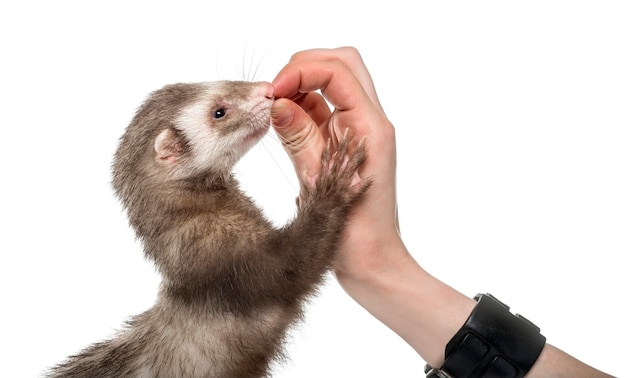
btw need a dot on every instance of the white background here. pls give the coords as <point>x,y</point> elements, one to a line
<point>511,125</point>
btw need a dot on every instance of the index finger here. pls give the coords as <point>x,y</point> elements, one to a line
<point>333,77</point>
<point>351,57</point>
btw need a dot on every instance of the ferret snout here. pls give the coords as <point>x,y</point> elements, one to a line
<point>264,89</point>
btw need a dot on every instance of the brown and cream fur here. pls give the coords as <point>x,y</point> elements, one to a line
<point>232,283</point>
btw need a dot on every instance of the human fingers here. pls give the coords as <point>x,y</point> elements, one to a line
<point>300,136</point>
<point>333,77</point>
<point>351,57</point>
<point>316,107</point>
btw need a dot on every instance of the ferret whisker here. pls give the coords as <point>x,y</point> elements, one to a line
<point>243,66</point>
<point>300,144</point>
<point>263,142</point>
<point>258,66</point>
<point>251,67</point>
<point>251,62</point>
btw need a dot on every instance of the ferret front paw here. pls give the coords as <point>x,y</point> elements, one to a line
<point>338,179</point>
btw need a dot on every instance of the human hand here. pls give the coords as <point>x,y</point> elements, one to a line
<point>374,266</point>
<point>301,117</point>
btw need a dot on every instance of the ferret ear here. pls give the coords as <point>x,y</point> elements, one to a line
<point>168,147</point>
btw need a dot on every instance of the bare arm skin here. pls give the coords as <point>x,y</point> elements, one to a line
<point>375,267</point>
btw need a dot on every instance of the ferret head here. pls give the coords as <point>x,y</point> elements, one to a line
<point>185,131</point>
<point>212,132</point>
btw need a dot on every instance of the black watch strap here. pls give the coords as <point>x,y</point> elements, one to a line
<point>492,343</point>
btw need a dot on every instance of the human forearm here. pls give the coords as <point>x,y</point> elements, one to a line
<point>422,310</point>
<point>555,363</point>
<point>427,313</point>
<point>373,265</point>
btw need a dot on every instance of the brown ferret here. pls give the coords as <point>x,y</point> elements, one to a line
<point>232,283</point>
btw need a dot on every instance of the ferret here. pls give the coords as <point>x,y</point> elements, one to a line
<point>232,282</point>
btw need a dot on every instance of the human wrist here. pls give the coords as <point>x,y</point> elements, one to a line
<point>436,312</point>
<point>422,310</point>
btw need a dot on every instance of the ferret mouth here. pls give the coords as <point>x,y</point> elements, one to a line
<point>258,131</point>
<point>259,126</point>
<point>262,108</point>
<point>259,120</point>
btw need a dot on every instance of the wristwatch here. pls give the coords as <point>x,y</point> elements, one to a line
<point>492,343</point>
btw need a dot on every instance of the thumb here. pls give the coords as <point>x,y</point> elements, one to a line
<point>300,137</point>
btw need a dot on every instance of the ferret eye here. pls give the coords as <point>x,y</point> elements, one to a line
<point>219,113</point>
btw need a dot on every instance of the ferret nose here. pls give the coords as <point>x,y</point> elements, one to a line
<point>265,89</point>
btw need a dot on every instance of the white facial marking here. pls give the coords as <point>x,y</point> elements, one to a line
<point>220,151</point>
<point>206,144</point>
